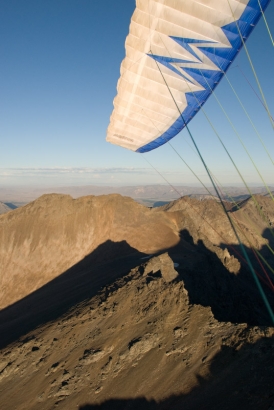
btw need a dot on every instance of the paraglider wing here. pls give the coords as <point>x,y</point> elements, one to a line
<point>177,51</point>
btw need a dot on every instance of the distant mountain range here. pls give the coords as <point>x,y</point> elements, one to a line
<point>149,195</point>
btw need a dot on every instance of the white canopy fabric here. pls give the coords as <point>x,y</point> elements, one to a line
<point>176,53</point>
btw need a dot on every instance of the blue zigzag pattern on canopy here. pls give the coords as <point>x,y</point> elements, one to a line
<point>208,79</point>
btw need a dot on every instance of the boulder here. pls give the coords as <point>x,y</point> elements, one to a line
<point>164,264</point>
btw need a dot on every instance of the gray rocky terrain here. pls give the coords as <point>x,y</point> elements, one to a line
<point>5,208</point>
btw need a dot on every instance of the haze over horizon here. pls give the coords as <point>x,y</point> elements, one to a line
<point>70,182</point>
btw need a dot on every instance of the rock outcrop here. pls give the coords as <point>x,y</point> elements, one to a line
<point>164,265</point>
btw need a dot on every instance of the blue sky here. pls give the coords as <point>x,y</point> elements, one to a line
<point>60,62</point>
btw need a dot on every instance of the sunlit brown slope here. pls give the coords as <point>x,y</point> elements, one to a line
<point>46,237</point>
<point>253,218</point>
